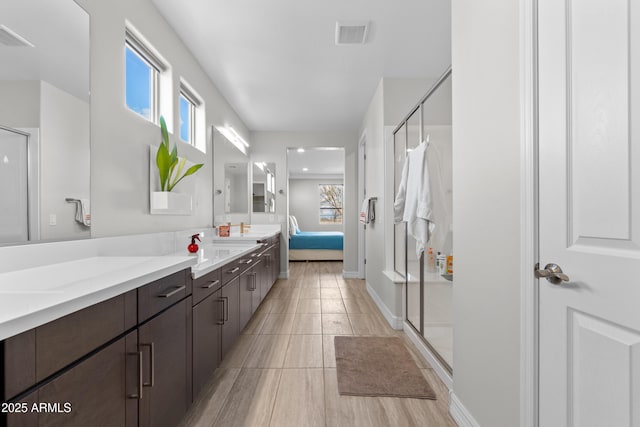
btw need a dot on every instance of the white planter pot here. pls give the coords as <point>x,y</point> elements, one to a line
<point>167,203</point>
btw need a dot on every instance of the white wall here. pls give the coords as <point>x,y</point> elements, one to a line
<point>486,209</point>
<point>272,147</point>
<point>26,112</point>
<point>120,139</point>
<point>64,166</point>
<point>304,204</point>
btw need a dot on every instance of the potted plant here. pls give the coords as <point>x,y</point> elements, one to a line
<point>171,170</point>
<point>167,161</point>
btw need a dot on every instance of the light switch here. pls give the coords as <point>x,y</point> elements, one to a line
<point>53,219</point>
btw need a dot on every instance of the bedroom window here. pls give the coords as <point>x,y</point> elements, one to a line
<point>330,203</point>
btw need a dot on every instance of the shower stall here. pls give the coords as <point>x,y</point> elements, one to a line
<point>18,205</point>
<point>428,288</point>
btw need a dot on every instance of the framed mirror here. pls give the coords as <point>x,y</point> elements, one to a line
<point>44,121</point>
<point>231,179</point>
<point>263,187</point>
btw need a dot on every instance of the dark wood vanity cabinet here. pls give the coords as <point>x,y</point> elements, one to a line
<point>162,345</point>
<point>207,339</point>
<point>122,362</point>
<point>93,392</point>
<point>249,292</point>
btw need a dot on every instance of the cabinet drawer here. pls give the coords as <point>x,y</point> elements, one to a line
<point>65,340</point>
<point>230,271</point>
<point>161,294</point>
<point>206,285</point>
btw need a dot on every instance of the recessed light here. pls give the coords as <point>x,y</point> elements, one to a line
<point>300,150</point>
<point>305,169</point>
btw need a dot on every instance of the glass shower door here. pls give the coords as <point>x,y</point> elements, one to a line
<point>14,188</point>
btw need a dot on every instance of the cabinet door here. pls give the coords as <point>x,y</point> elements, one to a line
<point>246,296</point>
<point>256,295</point>
<point>265,275</point>
<point>231,314</point>
<point>98,391</point>
<point>163,343</point>
<point>207,322</point>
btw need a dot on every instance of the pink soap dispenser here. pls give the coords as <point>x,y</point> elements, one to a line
<point>193,247</point>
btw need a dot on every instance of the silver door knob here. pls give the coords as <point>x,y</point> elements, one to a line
<point>552,272</point>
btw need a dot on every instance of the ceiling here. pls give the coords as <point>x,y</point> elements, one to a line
<point>277,63</point>
<point>317,161</point>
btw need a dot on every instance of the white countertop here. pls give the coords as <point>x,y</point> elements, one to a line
<point>216,255</point>
<point>258,232</point>
<point>32,297</point>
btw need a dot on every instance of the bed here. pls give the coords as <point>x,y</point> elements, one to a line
<point>314,245</point>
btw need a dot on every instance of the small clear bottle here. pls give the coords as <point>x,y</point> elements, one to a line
<point>431,261</point>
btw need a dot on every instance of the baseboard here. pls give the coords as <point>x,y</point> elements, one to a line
<point>442,373</point>
<point>395,321</point>
<point>284,274</point>
<point>460,414</point>
<point>350,274</point>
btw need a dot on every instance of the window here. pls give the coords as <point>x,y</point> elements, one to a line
<point>192,129</point>
<point>330,203</point>
<point>142,78</point>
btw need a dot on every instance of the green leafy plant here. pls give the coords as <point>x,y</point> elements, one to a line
<point>170,166</point>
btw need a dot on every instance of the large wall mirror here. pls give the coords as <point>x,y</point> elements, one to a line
<point>264,187</point>
<point>44,121</point>
<point>230,179</point>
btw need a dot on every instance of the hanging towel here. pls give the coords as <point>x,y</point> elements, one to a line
<point>83,212</point>
<point>413,203</point>
<point>364,211</point>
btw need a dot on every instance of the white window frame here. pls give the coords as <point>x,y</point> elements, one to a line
<point>140,48</point>
<point>197,129</point>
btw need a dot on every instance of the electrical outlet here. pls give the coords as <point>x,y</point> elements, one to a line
<point>53,219</point>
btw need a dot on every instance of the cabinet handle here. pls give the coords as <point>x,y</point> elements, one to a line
<point>233,270</point>
<point>137,395</point>
<point>255,280</point>
<point>268,260</point>
<point>253,283</point>
<point>221,321</point>
<point>225,310</point>
<point>173,292</point>
<point>152,357</point>
<point>246,261</point>
<point>210,285</point>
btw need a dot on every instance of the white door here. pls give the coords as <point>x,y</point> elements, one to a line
<point>589,105</point>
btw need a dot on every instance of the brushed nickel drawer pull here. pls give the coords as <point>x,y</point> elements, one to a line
<point>246,261</point>
<point>173,292</point>
<point>137,395</point>
<point>221,321</point>
<point>210,285</point>
<point>233,270</point>
<point>152,356</point>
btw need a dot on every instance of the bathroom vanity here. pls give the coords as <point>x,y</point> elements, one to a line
<point>124,341</point>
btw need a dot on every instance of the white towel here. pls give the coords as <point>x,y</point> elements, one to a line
<point>83,212</point>
<point>364,212</point>
<point>413,203</point>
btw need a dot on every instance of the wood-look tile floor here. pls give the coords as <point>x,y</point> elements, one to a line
<point>282,370</point>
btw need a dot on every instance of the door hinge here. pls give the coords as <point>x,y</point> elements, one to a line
<point>365,260</point>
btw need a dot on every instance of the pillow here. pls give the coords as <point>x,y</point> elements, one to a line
<point>292,226</point>
<point>295,223</point>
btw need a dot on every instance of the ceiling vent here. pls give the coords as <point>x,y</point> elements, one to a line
<point>351,32</point>
<point>9,38</point>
